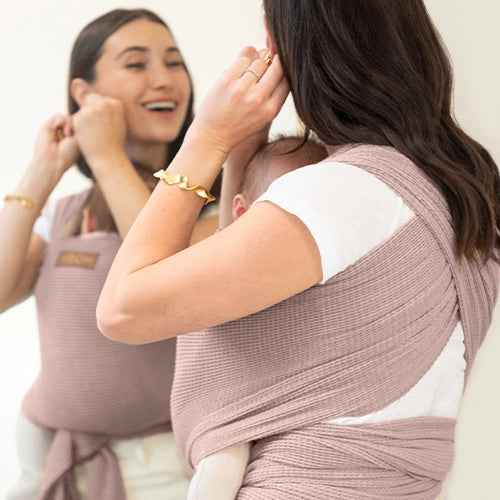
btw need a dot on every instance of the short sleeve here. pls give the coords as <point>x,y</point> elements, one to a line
<point>347,210</point>
<point>43,225</point>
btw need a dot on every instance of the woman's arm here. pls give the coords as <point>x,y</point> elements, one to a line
<point>27,277</point>
<point>234,167</point>
<point>157,287</point>
<point>20,250</point>
<point>99,126</point>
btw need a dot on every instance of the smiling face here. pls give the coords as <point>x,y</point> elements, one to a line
<point>142,67</point>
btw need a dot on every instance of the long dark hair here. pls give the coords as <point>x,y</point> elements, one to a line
<point>377,72</point>
<point>87,50</point>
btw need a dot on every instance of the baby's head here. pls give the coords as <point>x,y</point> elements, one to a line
<point>270,162</point>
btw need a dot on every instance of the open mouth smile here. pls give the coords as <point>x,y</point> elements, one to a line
<point>161,106</point>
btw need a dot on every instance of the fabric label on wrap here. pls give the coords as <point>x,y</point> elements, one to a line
<point>78,259</point>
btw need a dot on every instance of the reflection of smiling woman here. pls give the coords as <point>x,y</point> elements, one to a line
<point>141,67</point>
<point>96,402</point>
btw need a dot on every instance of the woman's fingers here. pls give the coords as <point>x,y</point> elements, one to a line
<point>250,66</point>
<point>68,129</point>
<point>258,65</point>
<point>278,81</point>
<point>273,78</point>
<point>248,95</point>
<point>100,126</point>
<point>270,85</point>
<point>94,99</point>
<point>61,127</point>
<point>55,146</point>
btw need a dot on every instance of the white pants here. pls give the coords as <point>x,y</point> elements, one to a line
<point>33,445</point>
<point>220,476</point>
<point>151,467</point>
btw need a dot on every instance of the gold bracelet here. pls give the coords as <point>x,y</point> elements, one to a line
<point>25,202</point>
<point>182,181</point>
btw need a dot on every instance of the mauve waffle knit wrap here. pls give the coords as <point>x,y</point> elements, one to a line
<point>90,389</point>
<point>346,348</point>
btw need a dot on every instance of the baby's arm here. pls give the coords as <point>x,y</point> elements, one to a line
<point>220,476</point>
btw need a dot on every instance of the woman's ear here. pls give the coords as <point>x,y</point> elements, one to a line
<point>79,89</point>
<point>240,206</point>
<point>269,41</point>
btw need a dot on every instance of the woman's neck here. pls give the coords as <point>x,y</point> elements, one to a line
<point>148,155</point>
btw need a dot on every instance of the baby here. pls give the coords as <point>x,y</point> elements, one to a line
<point>220,476</point>
<point>271,161</point>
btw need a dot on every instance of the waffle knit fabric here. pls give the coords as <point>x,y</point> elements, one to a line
<point>89,389</point>
<point>348,347</point>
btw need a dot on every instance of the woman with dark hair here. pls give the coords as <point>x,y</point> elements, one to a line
<point>338,318</point>
<point>98,411</point>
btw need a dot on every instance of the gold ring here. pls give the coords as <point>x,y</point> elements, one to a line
<point>58,134</point>
<point>268,59</point>
<point>253,73</point>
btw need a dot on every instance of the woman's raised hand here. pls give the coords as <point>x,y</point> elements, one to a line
<point>244,100</point>
<point>56,148</point>
<point>100,128</point>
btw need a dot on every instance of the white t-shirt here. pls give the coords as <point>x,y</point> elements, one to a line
<point>43,224</point>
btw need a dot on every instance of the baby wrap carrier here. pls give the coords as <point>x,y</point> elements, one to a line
<point>89,389</point>
<point>348,347</point>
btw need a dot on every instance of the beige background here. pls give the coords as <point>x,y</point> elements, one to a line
<point>35,38</point>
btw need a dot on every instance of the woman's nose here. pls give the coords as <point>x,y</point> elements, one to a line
<point>161,76</point>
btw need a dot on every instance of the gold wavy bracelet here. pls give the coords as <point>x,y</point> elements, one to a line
<point>25,202</point>
<point>182,181</point>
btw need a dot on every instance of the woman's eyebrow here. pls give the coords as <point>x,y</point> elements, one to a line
<point>173,50</point>
<point>139,48</point>
<point>134,48</point>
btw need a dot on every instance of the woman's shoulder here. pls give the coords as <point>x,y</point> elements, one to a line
<point>330,177</point>
<point>347,210</point>
<point>54,205</point>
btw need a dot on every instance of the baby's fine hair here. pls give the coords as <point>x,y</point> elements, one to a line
<point>286,151</point>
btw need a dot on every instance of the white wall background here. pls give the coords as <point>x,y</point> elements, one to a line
<point>36,37</point>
